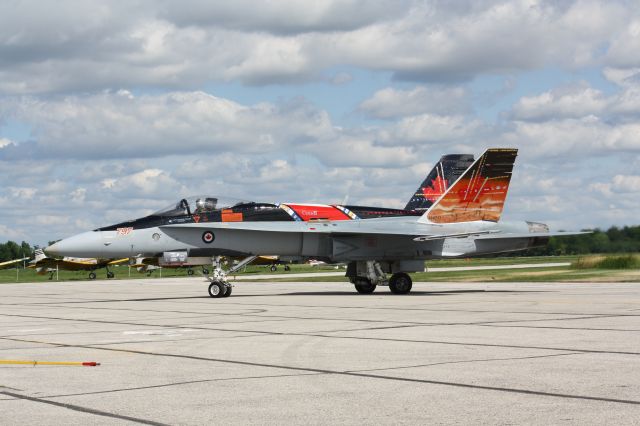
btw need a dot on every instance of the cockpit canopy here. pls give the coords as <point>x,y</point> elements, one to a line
<point>198,204</point>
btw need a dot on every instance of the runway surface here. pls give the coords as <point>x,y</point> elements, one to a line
<point>318,353</point>
<point>249,277</point>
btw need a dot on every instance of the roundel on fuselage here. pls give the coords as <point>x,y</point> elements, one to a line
<point>208,237</point>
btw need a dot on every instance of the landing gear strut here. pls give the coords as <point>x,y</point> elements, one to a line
<point>370,276</point>
<point>220,285</point>
<point>367,275</point>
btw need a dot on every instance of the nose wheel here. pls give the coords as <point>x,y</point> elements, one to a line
<point>219,289</point>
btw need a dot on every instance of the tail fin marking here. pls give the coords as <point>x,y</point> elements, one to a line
<point>480,193</point>
<point>446,171</point>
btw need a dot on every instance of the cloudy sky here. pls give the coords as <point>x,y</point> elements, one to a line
<point>111,110</point>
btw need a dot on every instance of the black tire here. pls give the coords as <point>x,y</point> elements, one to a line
<point>189,271</point>
<point>228,292</point>
<point>110,274</point>
<point>217,289</point>
<point>273,268</point>
<point>400,283</point>
<point>92,275</point>
<point>364,286</point>
<point>205,271</point>
<point>287,267</point>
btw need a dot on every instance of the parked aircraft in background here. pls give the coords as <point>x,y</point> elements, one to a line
<point>10,263</point>
<point>463,222</point>
<point>43,264</point>
<point>175,260</point>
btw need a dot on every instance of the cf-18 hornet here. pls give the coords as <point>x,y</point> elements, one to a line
<point>442,220</point>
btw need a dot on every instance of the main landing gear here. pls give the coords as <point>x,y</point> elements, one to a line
<point>220,285</point>
<point>366,276</point>
<point>400,283</point>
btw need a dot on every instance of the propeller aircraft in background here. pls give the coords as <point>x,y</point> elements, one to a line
<point>48,265</point>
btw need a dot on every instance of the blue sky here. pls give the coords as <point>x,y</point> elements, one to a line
<point>111,110</point>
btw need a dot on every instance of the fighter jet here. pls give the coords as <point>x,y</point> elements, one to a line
<point>464,221</point>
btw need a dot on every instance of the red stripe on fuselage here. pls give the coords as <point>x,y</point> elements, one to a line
<point>309,212</point>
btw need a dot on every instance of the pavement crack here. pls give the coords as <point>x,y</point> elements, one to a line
<point>463,362</point>
<point>82,409</point>
<point>164,385</point>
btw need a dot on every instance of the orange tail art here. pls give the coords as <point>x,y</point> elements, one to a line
<point>480,193</point>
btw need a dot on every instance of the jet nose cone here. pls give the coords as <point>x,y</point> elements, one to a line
<point>53,250</point>
<point>87,244</point>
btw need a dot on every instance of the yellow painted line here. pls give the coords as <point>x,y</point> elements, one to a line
<point>34,363</point>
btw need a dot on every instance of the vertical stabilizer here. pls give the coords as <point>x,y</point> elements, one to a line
<point>480,193</point>
<point>446,171</point>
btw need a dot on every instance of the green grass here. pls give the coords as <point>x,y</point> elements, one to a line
<point>8,276</point>
<point>626,261</point>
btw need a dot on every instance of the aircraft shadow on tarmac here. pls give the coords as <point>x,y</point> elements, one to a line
<point>413,293</point>
<point>309,293</point>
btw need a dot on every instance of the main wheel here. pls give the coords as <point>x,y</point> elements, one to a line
<point>287,268</point>
<point>273,268</point>
<point>400,283</point>
<point>110,274</point>
<point>205,271</point>
<point>364,286</point>
<point>217,289</point>
<point>92,275</point>
<point>189,271</point>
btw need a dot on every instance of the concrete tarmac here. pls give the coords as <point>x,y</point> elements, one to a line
<point>318,353</point>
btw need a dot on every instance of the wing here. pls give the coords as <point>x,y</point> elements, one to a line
<point>11,262</point>
<point>118,261</point>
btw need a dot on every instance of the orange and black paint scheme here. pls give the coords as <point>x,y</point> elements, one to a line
<point>480,193</point>
<point>447,170</point>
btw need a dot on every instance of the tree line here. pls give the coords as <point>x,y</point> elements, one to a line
<point>12,250</point>
<point>613,240</point>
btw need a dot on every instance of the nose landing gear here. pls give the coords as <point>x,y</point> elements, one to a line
<point>220,285</point>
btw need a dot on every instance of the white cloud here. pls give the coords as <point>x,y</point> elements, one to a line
<point>69,47</point>
<point>625,45</point>
<point>4,142</point>
<point>574,102</point>
<point>578,137</point>
<point>579,101</point>
<point>393,103</point>
<point>23,193</point>
<point>118,124</point>
<point>119,121</point>
<point>148,183</point>
<point>436,129</point>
